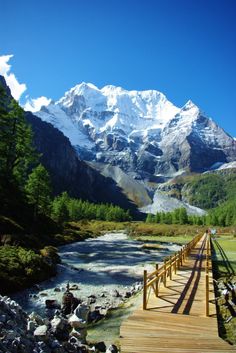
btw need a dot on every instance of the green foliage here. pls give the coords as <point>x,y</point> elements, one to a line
<point>38,190</point>
<point>178,216</point>
<point>20,267</point>
<point>60,209</point>
<point>207,190</point>
<point>65,209</point>
<point>16,151</point>
<point>224,215</point>
<point>210,190</point>
<point>50,253</point>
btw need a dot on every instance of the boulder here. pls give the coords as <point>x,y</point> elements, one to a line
<point>43,294</point>
<point>3,318</point>
<point>31,326</point>
<point>52,304</point>
<point>95,316</point>
<point>57,289</point>
<point>36,318</point>
<point>112,349</point>
<point>41,332</point>
<point>76,322</point>
<point>58,323</point>
<point>100,346</point>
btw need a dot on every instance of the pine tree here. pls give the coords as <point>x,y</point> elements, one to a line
<point>16,150</point>
<point>60,208</point>
<point>38,190</point>
<point>183,217</point>
<point>150,218</point>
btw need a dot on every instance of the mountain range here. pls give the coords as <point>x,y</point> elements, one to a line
<point>140,132</point>
<point>119,146</point>
<point>139,138</point>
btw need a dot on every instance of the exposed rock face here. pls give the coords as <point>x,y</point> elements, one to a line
<point>193,142</point>
<point>139,131</point>
<point>67,171</point>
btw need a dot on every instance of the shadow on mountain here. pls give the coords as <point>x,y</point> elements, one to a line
<point>70,174</point>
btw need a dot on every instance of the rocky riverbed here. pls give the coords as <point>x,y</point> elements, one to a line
<point>22,333</point>
<point>103,274</point>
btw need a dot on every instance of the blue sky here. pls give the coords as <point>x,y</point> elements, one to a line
<point>183,48</point>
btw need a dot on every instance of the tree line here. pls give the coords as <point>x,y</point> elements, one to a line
<point>224,215</point>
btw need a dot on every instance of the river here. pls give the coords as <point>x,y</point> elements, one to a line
<point>99,267</point>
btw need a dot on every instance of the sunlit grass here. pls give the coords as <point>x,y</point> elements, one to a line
<point>224,263</point>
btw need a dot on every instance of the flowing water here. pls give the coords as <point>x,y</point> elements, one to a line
<point>98,266</point>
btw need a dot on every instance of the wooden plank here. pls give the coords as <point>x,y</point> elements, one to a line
<point>175,321</point>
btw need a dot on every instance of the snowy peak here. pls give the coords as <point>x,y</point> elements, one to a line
<point>190,109</point>
<point>142,132</point>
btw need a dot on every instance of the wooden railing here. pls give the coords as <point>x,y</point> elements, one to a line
<point>160,275</point>
<point>207,263</point>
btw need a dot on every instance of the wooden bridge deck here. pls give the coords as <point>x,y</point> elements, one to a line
<point>175,322</point>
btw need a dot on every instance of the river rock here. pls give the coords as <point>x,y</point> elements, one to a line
<point>41,332</point>
<point>115,293</point>
<point>82,312</point>
<point>31,326</point>
<point>43,294</point>
<point>100,346</point>
<point>76,322</point>
<point>74,287</point>
<point>52,304</point>
<point>60,328</point>
<point>11,334</point>
<point>91,301</point>
<point>112,349</point>
<point>95,316</point>
<point>57,289</point>
<point>36,318</point>
<point>3,318</point>
<point>43,348</point>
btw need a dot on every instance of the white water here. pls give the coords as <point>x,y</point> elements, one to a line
<point>112,261</point>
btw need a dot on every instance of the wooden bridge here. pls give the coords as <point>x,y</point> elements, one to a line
<point>178,314</point>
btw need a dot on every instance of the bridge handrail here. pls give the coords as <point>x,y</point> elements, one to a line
<point>207,267</point>
<point>165,271</point>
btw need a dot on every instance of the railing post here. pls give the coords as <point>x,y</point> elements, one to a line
<point>207,294</point>
<point>178,260</point>
<point>171,267</point>
<point>175,263</point>
<point>145,290</point>
<point>183,254</point>
<point>157,280</point>
<point>180,257</point>
<point>207,277</point>
<point>164,278</point>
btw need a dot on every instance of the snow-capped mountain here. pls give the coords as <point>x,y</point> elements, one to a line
<point>139,131</point>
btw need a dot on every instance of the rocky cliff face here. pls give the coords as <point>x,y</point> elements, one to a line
<point>68,172</point>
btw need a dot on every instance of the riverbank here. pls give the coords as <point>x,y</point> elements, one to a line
<point>104,273</point>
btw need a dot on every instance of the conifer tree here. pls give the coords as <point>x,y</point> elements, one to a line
<point>38,190</point>
<point>60,211</point>
<point>16,150</point>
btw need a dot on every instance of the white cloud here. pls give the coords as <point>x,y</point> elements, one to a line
<point>16,88</point>
<point>35,105</point>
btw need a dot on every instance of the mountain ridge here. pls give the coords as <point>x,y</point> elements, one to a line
<point>141,132</point>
